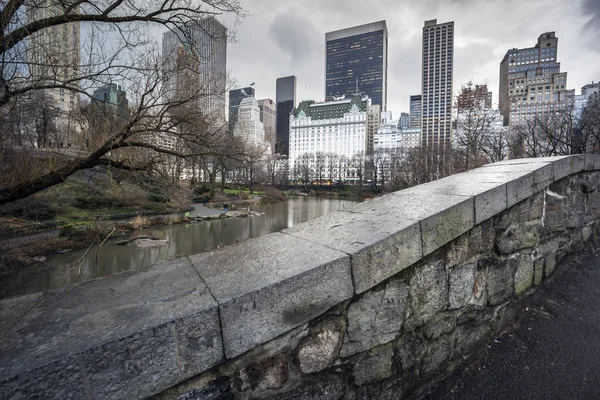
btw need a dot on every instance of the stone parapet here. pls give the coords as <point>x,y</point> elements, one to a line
<point>381,298</point>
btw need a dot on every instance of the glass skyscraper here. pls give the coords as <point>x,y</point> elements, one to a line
<point>357,57</point>
<point>286,101</point>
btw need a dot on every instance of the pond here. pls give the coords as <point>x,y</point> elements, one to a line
<point>61,270</point>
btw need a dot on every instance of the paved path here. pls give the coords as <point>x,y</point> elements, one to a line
<point>553,352</point>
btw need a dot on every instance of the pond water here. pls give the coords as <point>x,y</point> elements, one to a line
<point>62,270</point>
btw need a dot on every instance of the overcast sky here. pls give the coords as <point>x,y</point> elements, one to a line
<point>280,38</point>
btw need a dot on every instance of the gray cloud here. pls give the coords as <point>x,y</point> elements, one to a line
<point>296,36</point>
<point>591,9</point>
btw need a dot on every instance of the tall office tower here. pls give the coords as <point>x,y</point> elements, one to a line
<point>415,111</point>
<point>286,101</point>
<point>373,121</point>
<point>357,56</point>
<point>53,56</point>
<point>531,83</point>
<point>268,116</point>
<point>249,127</point>
<point>404,121</point>
<point>438,55</point>
<point>207,40</point>
<point>235,98</point>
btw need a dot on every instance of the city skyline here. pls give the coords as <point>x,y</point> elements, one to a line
<point>296,41</point>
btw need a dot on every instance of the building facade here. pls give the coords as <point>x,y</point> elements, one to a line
<point>53,57</point>
<point>235,98</point>
<point>416,105</point>
<point>285,102</point>
<point>112,98</point>
<point>532,84</point>
<point>437,75</point>
<point>404,121</point>
<point>373,122</point>
<point>357,57</point>
<point>395,141</point>
<point>249,126</point>
<point>333,129</point>
<point>268,116</point>
<point>206,40</point>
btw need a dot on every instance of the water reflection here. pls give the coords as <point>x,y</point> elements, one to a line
<point>184,239</point>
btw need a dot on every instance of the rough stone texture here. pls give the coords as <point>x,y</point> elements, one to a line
<point>439,325</point>
<point>380,245</point>
<point>268,373</point>
<point>374,366</point>
<point>375,318</point>
<point>317,351</point>
<point>263,291</point>
<point>518,237</point>
<point>436,356</point>
<point>554,215</point>
<point>500,281</point>
<point>157,328</point>
<point>538,271</point>
<point>523,274</point>
<point>328,387</point>
<point>219,389</point>
<point>462,281</point>
<point>428,293</point>
<point>469,336</point>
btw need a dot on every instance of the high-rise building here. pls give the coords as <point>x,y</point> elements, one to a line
<point>531,82</point>
<point>112,99</point>
<point>415,111</point>
<point>53,56</point>
<point>206,40</point>
<point>286,102</point>
<point>249,127</point>
<point>438,56</point>
<point>357,57</point>
<point>373,121</point>
<point>235,98</point>
<point>404,121</point>
<point>268,116</point>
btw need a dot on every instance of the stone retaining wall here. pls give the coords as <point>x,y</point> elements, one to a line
<point>380,300</point>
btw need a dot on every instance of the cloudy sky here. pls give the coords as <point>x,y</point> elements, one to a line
<point>281,37</point>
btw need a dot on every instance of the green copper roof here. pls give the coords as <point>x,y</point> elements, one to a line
<point>331,109</point>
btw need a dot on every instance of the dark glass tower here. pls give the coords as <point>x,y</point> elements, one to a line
<point>286,101</point>
<point>235,98</point>
<point>357,56</point>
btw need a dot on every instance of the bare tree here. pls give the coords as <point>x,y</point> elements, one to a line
<point>117,47</point>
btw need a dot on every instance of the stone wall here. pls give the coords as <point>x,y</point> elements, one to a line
<point>381,300</point>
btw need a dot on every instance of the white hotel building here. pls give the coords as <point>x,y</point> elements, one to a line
<point>332,128</point>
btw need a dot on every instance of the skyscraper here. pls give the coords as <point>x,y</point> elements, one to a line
<point>357,56</point>
<point>438,55</point>
<point>286,101</point>
<point>415,111</point>
<point>268,116</point>
<point>404,121</point>
<point>207,40</point>
<point>53,56</point>
<point>531,83</point>
<point>235,98</point>
<point>112,99</point>
<point>249,127</point>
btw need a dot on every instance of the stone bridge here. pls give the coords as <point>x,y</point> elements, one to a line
<point>382,300</point>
